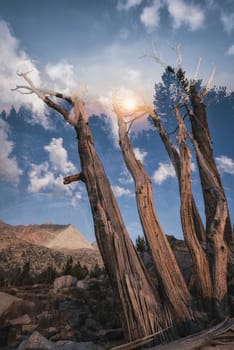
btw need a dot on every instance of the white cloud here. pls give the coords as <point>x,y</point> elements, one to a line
<point>165,171</point>
<point>76,198</point>
<point>150,15</point>
<point>139,154</point>
<point>9,169</point>
<point>58,156</point>
<point>186,14</point>
<point>11,59</point>
<point>131,74</point>
<point>127,4</point>
<point>48,176</point>
<point>230,50</point>
<point>43,179</point>
<point>228,22</point>
<point>125,176</point>
<point>225,164</point>
<point>120,191</point>
<point>62,74</point>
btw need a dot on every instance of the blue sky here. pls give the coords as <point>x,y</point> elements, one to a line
<point>95,47</point>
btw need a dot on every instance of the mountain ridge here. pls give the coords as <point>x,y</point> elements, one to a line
<point>53,236</point>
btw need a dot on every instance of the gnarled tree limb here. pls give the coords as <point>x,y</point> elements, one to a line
<point>72,178</point>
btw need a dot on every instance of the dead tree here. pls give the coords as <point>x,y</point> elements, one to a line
<point>201,265</point>
<point>219,233</point>
<point>193,229</point>
<point>142,313</point>
<point>177,296</point>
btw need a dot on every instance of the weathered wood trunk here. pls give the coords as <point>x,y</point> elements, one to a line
<point>176,161</point>
<point>218,224</point>
<point>201,135</point>
<point>142,312</point>
<point>217,248</point>
<point>170,277</point>
<point>199,258</point>
<point>219,233</point>
<point>194,232</point>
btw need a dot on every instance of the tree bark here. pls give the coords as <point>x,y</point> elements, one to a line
<point>140,302</point>
<point>176,161</point>
<point>173,284</point>
<point>201,134</point>
<point>199,258</point>
<point>218,224</point>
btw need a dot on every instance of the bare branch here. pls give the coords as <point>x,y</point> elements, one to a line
<point>197,69</point>
<point>208,84</point>
<point>155,56</point>
<point>177,50</point>
<point>43,95</point>
<point>72,178</point>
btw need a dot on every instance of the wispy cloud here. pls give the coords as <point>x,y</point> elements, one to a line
<point>140,154</point>
<point>125,177</point>
<point>9,169</point>
<point>127,4</point>
<point>13,58</point>
<point>121,191</point>
<point>164,171</point>
<point>228,22</point>
<point>62,75</point>
<point>150,15</point>
<point>225,164</point>
<point>183,13</point>
<point>230,50</point>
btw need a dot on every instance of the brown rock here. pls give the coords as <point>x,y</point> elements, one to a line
<point>36,341</point>
<point>22,320</point>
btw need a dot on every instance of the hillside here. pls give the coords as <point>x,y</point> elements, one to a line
<point>16,248</point>
<point>59,237</point>
<point>70,239</point>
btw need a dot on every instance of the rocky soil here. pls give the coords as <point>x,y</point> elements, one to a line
<point>69,311</point>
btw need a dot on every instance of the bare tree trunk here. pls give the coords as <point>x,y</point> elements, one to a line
<point>140,302</point>
<point>201,134</point>
<point>218,249</point>
<point>218,224</point>
<point>174,287</point>
<point>142,313</point>
<point>176,161</point>
<point>199,258</point>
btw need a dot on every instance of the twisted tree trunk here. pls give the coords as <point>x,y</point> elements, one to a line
<point>199,258</point>
<point>169,274</point>
<point>143,314</point>
<point>176,161</point>
<point>218,224</point>
<point>193,229</point>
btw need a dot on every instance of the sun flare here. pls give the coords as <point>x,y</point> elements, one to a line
<point>129,104</point>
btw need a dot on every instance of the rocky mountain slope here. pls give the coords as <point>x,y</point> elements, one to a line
<point>70,239</point>
<point>18,246</point>
<point>52,236</point>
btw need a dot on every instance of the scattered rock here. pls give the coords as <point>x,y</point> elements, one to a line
<point>36,341</point>
<point>22,320</point>
<point>65,281</point>
<point>29,328</point>
<point>13,307</point>
<point>70,345</point>
<point>82,284</point>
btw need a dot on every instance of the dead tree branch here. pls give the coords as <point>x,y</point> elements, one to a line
<point>44,96</point>
<point>72,178</point>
